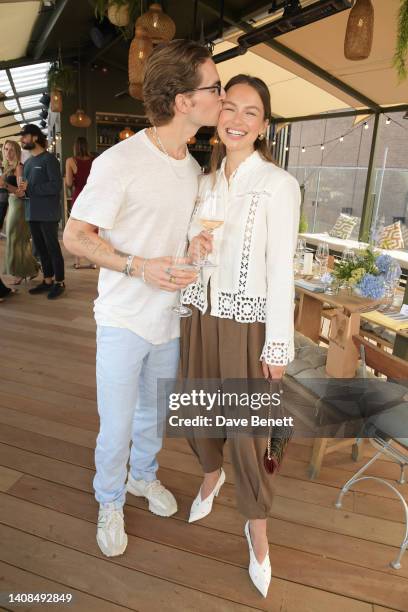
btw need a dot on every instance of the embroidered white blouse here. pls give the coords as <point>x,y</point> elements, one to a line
<point>254,250</point>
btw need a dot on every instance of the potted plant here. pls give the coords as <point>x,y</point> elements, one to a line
<point>62,78</point>
<point>121,13</point>
<point>401,49</point>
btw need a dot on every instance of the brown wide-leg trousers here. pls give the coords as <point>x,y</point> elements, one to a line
<point>223,348</point>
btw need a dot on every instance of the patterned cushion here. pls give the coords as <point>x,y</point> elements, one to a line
<point>343,226</point>
<point>404,232</point>
<point>391,237</point>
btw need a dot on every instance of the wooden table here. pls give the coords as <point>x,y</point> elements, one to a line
<point>342,355</point>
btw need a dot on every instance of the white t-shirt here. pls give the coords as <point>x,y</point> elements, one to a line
<point>142,202</point>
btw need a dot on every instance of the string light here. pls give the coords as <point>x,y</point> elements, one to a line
<point>341,138</point>
<point>274,143</point>
<point>365,125</point>
<point>303,149</point>
<point>388,121</point>
<point>286,148</point>
<point>322,147</point>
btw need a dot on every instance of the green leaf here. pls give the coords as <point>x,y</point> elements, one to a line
<point>401,49</point>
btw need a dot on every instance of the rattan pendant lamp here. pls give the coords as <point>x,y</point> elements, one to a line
<point>159,26</point>
<point>360,30</point>
<point>140,49</point>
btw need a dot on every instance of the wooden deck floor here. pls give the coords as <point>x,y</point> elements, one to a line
<point>323,559</point>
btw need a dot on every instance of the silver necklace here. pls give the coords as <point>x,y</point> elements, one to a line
<point>164,150</point>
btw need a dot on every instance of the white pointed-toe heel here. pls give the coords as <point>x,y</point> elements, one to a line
<point>200,508</point>
<point>260,573</point>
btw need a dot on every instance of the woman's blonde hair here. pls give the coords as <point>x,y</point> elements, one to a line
<point>9,167</point>
<point>219,150</point>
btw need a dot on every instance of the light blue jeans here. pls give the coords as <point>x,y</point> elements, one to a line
<point>127,370</point>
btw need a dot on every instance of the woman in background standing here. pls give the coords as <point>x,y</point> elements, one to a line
<point>19,260</point>
<point>77,170</point>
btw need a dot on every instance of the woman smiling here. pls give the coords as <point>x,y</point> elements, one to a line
<point>242,321</point>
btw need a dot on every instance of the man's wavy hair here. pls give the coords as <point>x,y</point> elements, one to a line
<point>171,69</point>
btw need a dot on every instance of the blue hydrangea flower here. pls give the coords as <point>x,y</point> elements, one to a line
<point>371,286</point>
<point>383,262</point>
<point>327,278</point>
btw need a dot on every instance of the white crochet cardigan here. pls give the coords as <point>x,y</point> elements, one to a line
<point>254,250</point>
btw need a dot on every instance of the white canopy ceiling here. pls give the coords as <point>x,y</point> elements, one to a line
<point>17,18</point>
<point>297,91</point>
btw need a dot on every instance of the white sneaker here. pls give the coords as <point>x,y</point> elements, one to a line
<point>201,508</point>
<point>111,535</point>
<point>260,573</point>
<point>161,501</point>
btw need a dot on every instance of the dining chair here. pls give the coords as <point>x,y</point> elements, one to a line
<point>387,430</point>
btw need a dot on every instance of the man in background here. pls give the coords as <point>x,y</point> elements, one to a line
<point>42,189</point>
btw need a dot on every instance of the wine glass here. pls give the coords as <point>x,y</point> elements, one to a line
<point>322,257</point>
<point>348,255</point>
<point>299,255</point>
<point>181,261</point>
<point>210,214</point>
<point>392,277</point>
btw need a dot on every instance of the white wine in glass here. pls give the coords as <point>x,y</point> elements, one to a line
<point>211,216</point>
<point>211,224</point>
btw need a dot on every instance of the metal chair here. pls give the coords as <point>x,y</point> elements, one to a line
<point>385,429</point>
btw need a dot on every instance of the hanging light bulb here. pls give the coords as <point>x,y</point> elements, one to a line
<point>126,133</point>
<point>388,121</point>
<point>365,125</point>
<point>322,147</point>
<point>303,149</point>
<point>286,148</point>
<point>274,143</point>
<point>341,138</point>
<point>80,119</point>
<point>159,26</point>
<point>360,30</point>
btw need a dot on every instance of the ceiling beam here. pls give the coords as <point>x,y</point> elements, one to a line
<point>22,94</point>
<point>52,21</point>
<point>26,110</point>
<point>13,87</point>
<point>239,23</point>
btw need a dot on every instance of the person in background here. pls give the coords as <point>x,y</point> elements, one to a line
<point>77,170</point>
<point>5,291</point>
<point>19,261</point>
<point>42,189</point>
<point>3,203</point>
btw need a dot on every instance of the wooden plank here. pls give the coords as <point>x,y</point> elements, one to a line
<point>15,580</point>
<point>8,477</point>
<point>101,577</point>
<point>53,381</point>
<point>53,429</point>
<point>282,533</point>
<point>284,488</point>
<point>63,414</point>
<point>302,568</point>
